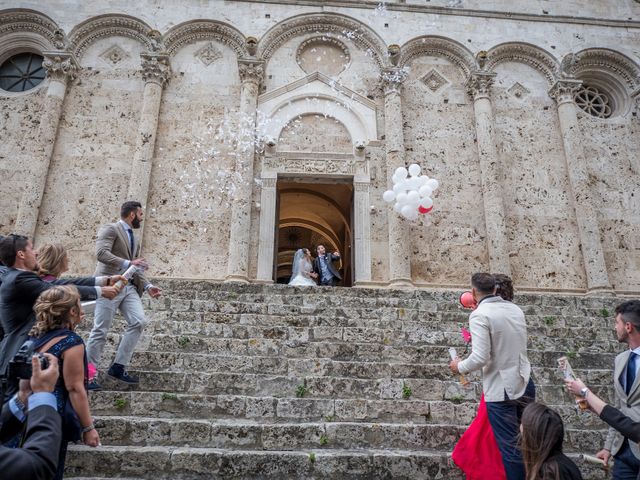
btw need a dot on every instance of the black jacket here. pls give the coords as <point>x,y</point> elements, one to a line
<point>627,427</point>
<point>37,459</point>
<point>18,293</point>
<point>330,259</point>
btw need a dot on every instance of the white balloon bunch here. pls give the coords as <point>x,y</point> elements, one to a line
<point>411,191</point>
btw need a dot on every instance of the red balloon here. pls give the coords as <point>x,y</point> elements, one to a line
<point>467,300</point>
<point>421,209</point>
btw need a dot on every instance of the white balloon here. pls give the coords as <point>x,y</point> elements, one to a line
<point>425,191</point>
<point>426,202</point>
<point>413,216</point>
<point>396,178</point>
<point>414,183</point>
<point>397,207</point>
<point>389,196</point>
<point>413,198</point>
<point>407,210</point>
<point>433,183</point>
<point>414,169</point>
<point>402,172</point>
<point>397,188</point>
<point>402,198</point>
<point>423,179</point>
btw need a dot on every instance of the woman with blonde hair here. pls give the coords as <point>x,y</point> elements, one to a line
<point>58,312</point>
<point>53,261</point>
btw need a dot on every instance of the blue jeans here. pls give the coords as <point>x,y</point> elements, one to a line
<point>504,418</point>
<point>626,465</point>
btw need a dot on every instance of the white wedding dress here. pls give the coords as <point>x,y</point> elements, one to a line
<point>300,271</point>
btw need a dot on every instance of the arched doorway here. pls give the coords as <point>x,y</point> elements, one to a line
<point>311,213</point>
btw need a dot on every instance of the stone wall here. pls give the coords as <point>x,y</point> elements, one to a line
<point>511,168</point>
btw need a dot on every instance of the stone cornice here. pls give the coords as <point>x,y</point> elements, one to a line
<point>111,25</point>
<point>479,84</point>
<point>463,12</point>
<point>318,23</point>
<point>60,66</point>
<point>564,90</point>
<point>21,20</point>
<point>155,68</point>
<point>197,30</point>
<point>438,46</point>
<point>528,54</point>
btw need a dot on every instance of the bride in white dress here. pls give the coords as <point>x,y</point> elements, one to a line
<point>302,270</point>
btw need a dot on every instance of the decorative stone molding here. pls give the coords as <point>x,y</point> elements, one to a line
<point>564,90</point>
<point>526,53</point>
<point>269,182</point>
<point>155,68</point>
<point>251,70</point>
<point>22,21</point>
<point>60,66</point>
<point>479,84</point>
<point>438,46</point>
<point>199,30</point>
<point>322,40</point>
<point>111,25</point>
<point>114,55</point>
<point>208,54</point>
<point>610,61</point>
<point>392,79</point>
<point>318,23</point>
<point>434,80</point>
<point>316,163</point>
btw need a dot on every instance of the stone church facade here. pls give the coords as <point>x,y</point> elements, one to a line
<point>251,128</point>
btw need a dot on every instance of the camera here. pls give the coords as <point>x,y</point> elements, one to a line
<point>20,365</point>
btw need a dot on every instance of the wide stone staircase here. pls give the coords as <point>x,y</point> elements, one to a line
<point>251,381</point>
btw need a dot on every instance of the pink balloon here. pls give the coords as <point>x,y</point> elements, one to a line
<point>467,300</point>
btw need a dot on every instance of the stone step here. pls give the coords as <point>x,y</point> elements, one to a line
<point>236,434</point>
<point>206,463</point>
<point>182,463</point>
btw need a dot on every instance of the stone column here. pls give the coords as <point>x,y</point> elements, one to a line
<point>399,241</point>
<point>155,72</point>
<point>586,218</point>
<point>267,229</point>
<point>479,88</point>
<point>251,75</point>
<point>61,67</point>
<point>361,232</point>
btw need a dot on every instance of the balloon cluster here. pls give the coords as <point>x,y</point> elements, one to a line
<point>411,192</point>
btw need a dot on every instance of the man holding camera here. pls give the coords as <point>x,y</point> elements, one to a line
<point>37,459</point>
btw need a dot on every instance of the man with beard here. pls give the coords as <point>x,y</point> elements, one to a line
<point>117,248</point>
<point>626,392</point>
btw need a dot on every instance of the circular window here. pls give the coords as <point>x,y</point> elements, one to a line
<point>594,102</point>
<point>323,54</point>
<point>21,72</point>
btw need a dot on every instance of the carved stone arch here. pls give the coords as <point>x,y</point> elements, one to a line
<point>330,23</point>
<point>196,30</point>
<point>28,29</point>
<point>439,46</point>
<point>608,61</point>
<point>109,25</point>
<point>520,52</point>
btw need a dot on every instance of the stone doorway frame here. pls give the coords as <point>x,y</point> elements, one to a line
<point>320,167</point>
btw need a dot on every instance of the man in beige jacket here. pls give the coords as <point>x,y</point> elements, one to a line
<point>499,348</point>
<point>117,248</point>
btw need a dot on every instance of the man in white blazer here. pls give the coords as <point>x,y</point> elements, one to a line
<point>499,348</point>
<point>626,392</point>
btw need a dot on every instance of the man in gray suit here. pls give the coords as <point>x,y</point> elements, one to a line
<point>499,348</point>
<point>626,392</point>
<point>117,248</point>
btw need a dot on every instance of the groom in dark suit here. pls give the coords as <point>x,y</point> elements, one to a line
<point>328,274</point>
